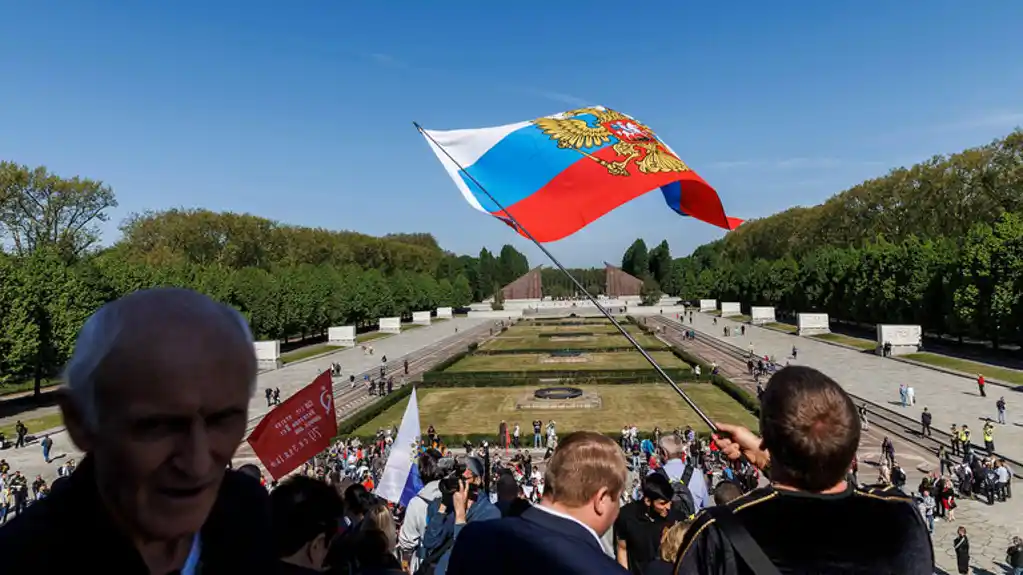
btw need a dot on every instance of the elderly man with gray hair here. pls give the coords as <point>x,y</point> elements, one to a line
<point>683,475</point>
<point>156,395</point>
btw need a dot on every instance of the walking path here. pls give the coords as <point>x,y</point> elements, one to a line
<point>951,399</point>
<point>289,379</point>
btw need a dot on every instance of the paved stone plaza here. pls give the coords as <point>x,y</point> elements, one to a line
<point>289,379</point>
<point>951,398</point>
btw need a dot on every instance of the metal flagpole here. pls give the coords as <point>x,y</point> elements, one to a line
<point>589,296</point>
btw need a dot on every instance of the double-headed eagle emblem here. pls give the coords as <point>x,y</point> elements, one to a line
<point>636,142</point>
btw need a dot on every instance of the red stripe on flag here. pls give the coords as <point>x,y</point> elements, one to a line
<point>296,430</point>
<point>583,193</point>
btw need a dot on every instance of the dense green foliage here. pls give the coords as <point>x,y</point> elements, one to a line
<point>939,244</point>
<point>288,281</point>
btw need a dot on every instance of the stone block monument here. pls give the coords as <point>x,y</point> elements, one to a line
<point>708,304</point>
<point>730,308</point>
<point>343,336</point>
<point>904,339</point>
<point>812,323</point>
<point>268,355</point>
<point>760,315</point>
<point>421,317</point>
<point>444,312</point>
<point>389,325</point>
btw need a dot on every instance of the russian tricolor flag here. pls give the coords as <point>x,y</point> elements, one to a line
<point>557,174</point>
<point>401,481</point>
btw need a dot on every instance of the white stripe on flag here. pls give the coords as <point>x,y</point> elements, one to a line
<point>403,452</point>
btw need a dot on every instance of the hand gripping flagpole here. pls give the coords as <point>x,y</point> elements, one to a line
<point>660,371</point>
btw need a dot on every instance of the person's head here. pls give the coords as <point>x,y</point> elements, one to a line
<point>671,540</point>
<point>585,477</point>
<point>657,494</point>
<point>428,465</point>
<point>673,447</point>
<point>157,394</point>
<point>305,519</point>
<point>810,427</point>
<point>357,500</point>
<point>474,470</point>
<point>961,530</point>
<point>507,488</point>
<point>378,518</point>
<point>726,492</point>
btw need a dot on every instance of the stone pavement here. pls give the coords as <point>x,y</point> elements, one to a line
<point>950,398</point>
<point>989,527</point>
<point>289,379</point>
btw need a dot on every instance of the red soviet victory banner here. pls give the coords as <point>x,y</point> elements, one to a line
<point>296,430</point>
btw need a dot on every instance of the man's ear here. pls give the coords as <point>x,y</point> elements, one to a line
<point>74,421</point>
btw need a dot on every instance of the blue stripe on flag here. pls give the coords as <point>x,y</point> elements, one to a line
<point>413,485</point>
<point>520,164</point>
<point>673,196</point>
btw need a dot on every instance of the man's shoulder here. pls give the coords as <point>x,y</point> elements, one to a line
<point>31,534</point>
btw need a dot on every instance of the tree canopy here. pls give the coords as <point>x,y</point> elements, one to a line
<point>287,280</point>
<point>936,244</point>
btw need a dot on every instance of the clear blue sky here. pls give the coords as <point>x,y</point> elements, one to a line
<point>301,111</point>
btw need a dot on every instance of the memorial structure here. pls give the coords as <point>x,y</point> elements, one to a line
<point>618,284</point>
<point>904,339</point>
<point>529,286</point>
<point>268,355</point>
<point>708,304</point>
<point>730,308</point>
<point>812,323</point>
<point>760,315</point>
<point>343,336</point>
<point>389,325</point>
<point>421,317</point>
<point>444,313</point>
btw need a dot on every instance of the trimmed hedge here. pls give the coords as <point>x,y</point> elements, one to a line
<point>515,378</point>
<point>372,411</point>
<point>609,349</point>
<point>751,403</point>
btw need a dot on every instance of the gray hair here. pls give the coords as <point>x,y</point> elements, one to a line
<point>100,336</point>
<point>673,447</point>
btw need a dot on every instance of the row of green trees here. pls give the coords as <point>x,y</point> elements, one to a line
<point>938,244</point>
<point>288,281</point>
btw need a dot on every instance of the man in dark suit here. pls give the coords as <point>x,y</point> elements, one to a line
<point>157,396</point>
<point>560,535</point>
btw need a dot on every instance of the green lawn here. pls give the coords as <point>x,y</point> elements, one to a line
<point>787,327</point>
<point>371,335</point>
<point>307,352</point>
<point>847,340</point>
<point>531,362</point>
<point>34,424</point>
<point>740,317</point>
<point>478,410</point>
<point>511,342</point>
<point>23,386</point>
<point>971,367</point>
<point>410,326</point>
<point>524,328</point>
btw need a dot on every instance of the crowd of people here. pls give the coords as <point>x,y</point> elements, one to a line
<point>155,492</point>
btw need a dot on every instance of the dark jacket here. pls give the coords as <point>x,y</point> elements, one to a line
<point>71,530</point>
<point>822,534</point>
<point>441,527</point>
<point>536,542</point>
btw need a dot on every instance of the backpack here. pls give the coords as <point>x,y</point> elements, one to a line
<point>682,501</point>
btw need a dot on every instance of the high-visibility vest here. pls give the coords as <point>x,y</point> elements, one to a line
<point>989,437</point>
<point>964,436</point>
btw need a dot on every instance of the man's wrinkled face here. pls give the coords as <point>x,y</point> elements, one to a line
<point>170,421</point>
